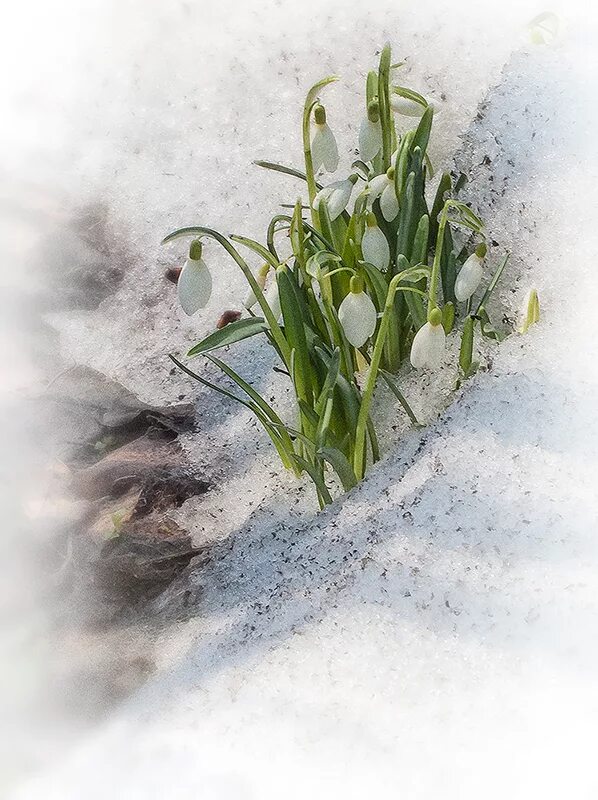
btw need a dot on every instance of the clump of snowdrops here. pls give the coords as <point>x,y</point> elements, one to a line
<point>374,278</point>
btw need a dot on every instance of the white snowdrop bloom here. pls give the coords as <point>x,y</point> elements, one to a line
<point>408,107</point>
<point>324,150</point>
<point>272,298</point>
<point>383,186</point>
<point>374,245</point>
<point>389,202</point>
<point>357,314</point>
<point>370,134</point>
<point>544,28</point>
<point>194,286</point>
<point>470,275</point>
<point>336,196</point>
<point>376,186</point>
<point>429,342</point>
<point>260,278</point>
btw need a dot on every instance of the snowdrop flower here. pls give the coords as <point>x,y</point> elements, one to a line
<point>544,28</point>
<point>336,196</point>
<point>370,134</point>
<point>408,107</point>
<point>470,275</point>
<point>374,245</point>
<point>428,344</point>
<point>194,286</point>
<point>260,278</point>
<point>357,314</point>
<point>272,298</point>
<point>324,150</point>
<point>383,186</point>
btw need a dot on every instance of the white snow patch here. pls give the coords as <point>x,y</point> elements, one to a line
<point>433,633</point>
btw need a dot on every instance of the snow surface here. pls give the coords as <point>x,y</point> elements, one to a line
<point>433,633</point>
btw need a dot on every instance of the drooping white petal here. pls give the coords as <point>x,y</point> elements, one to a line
<point>272,298</point>
<point>340,196</point>
<point>374,247</point>
<point>357,314</point>
<point>194,286</point>
<point>427,349</point>
<point>370,139</point>
<point>469,278</point>
<point>324,150</point>
<point>406,106</point>
<point>324,194</point>
<point>376,186</point>
<point>389,205</point>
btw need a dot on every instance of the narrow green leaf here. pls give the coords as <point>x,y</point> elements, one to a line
<point>422,133</point>
<point>285,170</point>
<point>392,385</point>
<point>340,464</point>
<point>230,334</point>
<point>492,285</point>
<point>258,248</point>
<point>466,351</point>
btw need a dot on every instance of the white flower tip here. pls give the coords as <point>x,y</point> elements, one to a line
<point>428,346</point>
<point>469,278</point>
<point>544,28</point>
<point>324,149</point>
<point>194,286</point>
<point>358,317</point>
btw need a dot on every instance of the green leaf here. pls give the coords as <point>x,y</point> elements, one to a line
<point>466,351</point>
<point>419,251</point>
<point>492,285</point>
<point>285,456</point>
<point>257,248</point>
<point>392,385</point>
<point>231,333</point>
<point>285,170</point>
<point>341,465</point>
<point>422,133</point>
<point>316,477</point>
<point>295,333</point>
<point>442,192</point>
<point>448,317</point>
<point>414,303</point>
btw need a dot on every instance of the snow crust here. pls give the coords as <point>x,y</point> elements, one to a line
<point>434,632</point>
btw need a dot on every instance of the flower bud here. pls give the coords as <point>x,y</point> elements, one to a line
<point>324,150</point>
<point>336,196</point>
<point>428,345</point>
<point>370,134</point>
<point>374,245</point>
<point>383,186</point>
<point>469,277</point>
<point>357,314</point>
<point>194,286</point>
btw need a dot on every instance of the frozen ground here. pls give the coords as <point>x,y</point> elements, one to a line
<point>435,633</point>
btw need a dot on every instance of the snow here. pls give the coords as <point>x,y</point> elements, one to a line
<point>433,632</point>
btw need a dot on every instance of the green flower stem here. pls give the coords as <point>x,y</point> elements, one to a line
<point>309,164</point>
<point>384,105</point>
<point>310,101</point>
<point>198,230</point>
<point>370,384</point>
<point>434,275</point>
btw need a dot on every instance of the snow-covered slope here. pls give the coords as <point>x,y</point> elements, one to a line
<point>432,634</point>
